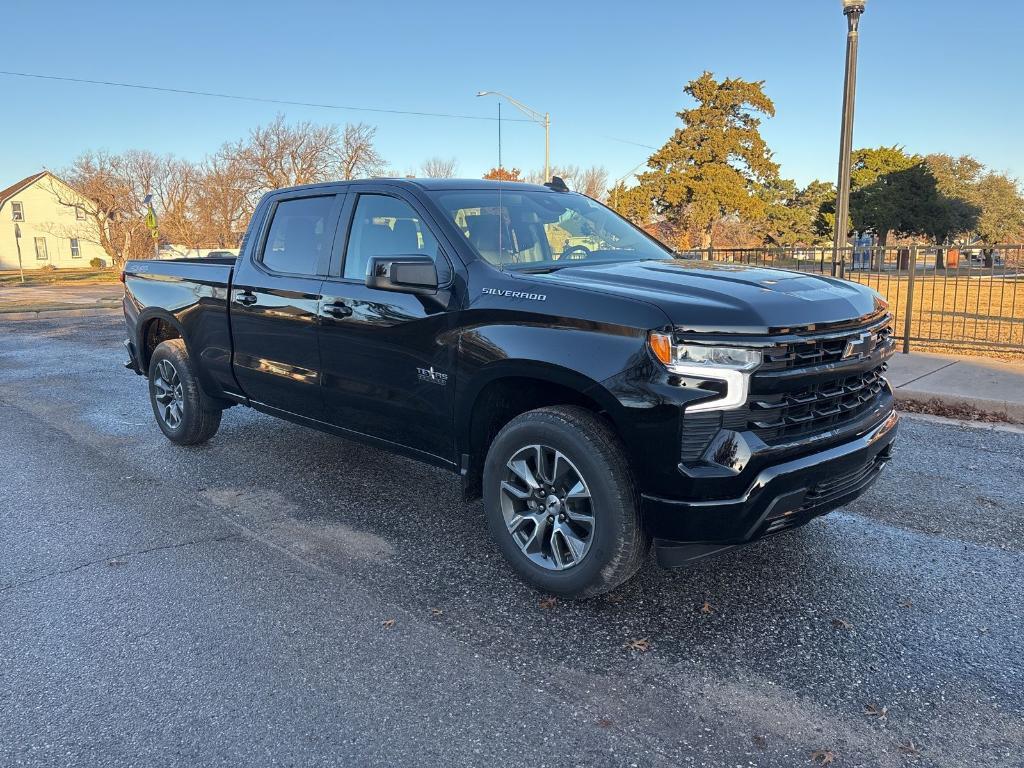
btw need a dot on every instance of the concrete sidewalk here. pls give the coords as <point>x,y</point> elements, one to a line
<point>979,383</point>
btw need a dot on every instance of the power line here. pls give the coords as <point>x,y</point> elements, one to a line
<point>257,99</point>
<point>282,102</point>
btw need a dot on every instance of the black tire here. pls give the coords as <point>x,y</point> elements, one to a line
<point>618,543</point>
<point>186,416</point>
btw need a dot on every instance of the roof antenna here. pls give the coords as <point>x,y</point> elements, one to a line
<point>557,184</point>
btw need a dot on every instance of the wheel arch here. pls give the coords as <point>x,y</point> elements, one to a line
<point>154,326</point>
<point>508,388</point>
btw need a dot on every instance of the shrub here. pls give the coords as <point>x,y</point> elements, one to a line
<point>97,263</point>
<point>48,268</point>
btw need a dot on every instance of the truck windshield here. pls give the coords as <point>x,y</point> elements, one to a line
<point>538,230</point>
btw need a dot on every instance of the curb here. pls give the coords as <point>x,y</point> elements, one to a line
<point>43,314</point>
<point>1009,412</point>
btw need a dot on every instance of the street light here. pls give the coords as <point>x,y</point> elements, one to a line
<point>852,9</point>
<point>537,117</point>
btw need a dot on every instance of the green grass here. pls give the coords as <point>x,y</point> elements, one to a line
<point>12,278</point>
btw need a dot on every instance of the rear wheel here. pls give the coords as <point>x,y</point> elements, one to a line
<point>560,502</point>
<point>182,411</point>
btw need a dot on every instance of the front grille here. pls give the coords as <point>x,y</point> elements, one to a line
<point>824,350</point>
<point>785,416</point>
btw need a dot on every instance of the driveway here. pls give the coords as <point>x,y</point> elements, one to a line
<point>283,597</point>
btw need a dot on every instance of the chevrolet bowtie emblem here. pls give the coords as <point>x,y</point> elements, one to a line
<point>859,346</point>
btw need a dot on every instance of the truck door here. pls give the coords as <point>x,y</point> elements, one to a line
<point>275,300</point>
<point>387,369</point>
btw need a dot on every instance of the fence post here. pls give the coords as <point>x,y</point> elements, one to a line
<point>909,306</point>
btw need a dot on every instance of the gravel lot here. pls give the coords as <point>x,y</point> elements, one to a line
<point>231,605</point>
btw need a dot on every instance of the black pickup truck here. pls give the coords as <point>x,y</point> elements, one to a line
<point>598,391</point>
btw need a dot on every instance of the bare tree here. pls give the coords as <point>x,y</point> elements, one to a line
<point>440,168</point>
<point>177,192</point>
<point>356,156</point>
<point>592,181</point>
<point>282,155</point>
<point>225,199</point>
<point>108,189</point>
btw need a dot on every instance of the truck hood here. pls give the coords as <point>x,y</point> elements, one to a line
<point>725,298</point>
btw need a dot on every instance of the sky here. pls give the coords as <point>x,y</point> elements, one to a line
<point>936,76</point>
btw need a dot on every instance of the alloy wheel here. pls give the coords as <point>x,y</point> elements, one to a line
<point>169,394</point>
<point>547,507</point>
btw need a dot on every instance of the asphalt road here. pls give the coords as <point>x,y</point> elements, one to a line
<point>226,605</point>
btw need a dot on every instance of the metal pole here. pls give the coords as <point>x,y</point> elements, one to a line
<point>17,242</point>
<point>909,308</point>
<point>547,147</point>
<point>852,12</point>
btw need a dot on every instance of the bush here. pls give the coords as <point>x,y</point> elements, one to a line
<point>48,268</point>
<point>97,263</point>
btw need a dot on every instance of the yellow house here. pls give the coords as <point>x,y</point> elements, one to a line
<point>53,229</point>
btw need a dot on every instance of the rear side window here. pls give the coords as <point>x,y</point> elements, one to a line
<point>300,235</point>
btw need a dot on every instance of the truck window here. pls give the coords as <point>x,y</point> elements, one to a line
<point>387,226</point>
<point>299,235</point>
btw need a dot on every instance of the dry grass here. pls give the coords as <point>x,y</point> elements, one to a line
<point>957,312</point>
<point>12,278</point>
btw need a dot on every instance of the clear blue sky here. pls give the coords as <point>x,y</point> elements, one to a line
<point>935,76</point>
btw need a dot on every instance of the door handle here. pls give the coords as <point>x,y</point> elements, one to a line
<point>338,309</point>
<point>246,298</point>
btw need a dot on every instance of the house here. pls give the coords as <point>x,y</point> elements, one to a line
<point>53,229</point>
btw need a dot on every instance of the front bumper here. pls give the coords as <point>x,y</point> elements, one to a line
<point>780,497</point>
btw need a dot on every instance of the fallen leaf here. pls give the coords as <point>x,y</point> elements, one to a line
<point>759,741</point>
<point>388,623</point>
<point>873,710</point>
<point>116,562</point>
<point>548,602</point>
<point>436,612</point>
<point>641,644</point>
<point>907,604</point>
<point>614,598</point>
<point>909,748</point>
<point>707,608</point>
<point>823,756</point>
<point>604,722</point>
<point>842,624</point>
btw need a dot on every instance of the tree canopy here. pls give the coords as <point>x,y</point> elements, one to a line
<point>717,162</point>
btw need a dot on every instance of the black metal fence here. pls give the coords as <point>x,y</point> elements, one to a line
<point>954,299</point>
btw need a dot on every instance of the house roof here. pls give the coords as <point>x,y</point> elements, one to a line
<point>15,188</point>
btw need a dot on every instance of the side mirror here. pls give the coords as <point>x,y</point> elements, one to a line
<point>405,274</point>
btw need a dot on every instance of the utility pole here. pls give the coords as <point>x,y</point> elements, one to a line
<point>852,9</point>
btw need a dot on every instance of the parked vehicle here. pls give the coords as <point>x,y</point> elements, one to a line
<point>597,396</point>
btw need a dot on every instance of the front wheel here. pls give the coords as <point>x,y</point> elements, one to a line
<point>182,411</point>
<point>560,502</point>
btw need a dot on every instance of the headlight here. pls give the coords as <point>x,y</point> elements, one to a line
<point>717,357</point>
<point>691,355</point>
<point>731,365</point>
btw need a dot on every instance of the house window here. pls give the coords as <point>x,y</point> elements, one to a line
<point>76,252</point>
<point>17,212</point>
<point>41,254</point>
<point>80,214</point>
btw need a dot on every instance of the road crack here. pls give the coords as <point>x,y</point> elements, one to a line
<point>118,556</point>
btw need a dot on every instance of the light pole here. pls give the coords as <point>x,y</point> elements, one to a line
<point>852,9</point>
<point>537,117</point>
